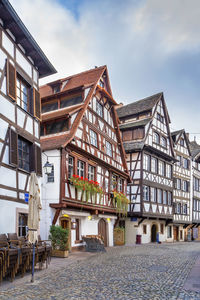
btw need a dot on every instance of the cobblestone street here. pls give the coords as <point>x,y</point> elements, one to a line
<point>135,272</point>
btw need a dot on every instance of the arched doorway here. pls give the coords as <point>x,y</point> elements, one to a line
<point>153,233</point>
<point>65,222</point>
<point>102,230</point>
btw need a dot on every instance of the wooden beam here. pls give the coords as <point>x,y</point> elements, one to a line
<point>56,216</point>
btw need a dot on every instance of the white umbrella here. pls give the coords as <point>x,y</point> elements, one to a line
<point>34,208</point>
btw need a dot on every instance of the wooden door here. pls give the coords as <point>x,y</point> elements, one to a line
<point>153,233</point>
<point>102,231</point>
<point>175,233</point>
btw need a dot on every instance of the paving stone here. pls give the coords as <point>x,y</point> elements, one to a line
<point>136,272</point>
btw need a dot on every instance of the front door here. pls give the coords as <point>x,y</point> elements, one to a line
<point>153,233</point>
<point>175,233</point>
<point>102,231</point>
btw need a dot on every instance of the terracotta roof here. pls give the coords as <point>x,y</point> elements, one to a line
<point>53,142</point>
<point>143,105</point>
<point>71,82</point>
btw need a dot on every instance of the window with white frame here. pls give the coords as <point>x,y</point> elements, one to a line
<point>165,197</point>
<point>120,185</point>
<point>70,167</point>
<point>147,162</point>
<point>170,198</point>
<point>153,194</point>
<point>185,186</point>
<point>22,94</point>
<point>154,165</point>
<point>178,157</point>
<point>108,148</point>
<point>161,168</point>
<point>156,137</point>
<point>178,184</point>
<point>164,142</point>
<point>80,168</point>
<point>91,172</point>
<point>146,193</point>
<point>178,208</point>
<point>93,138</point>
<point>99,109</point>
<point>169,232</point>
<point>168,171</point>
<point>185,209</point>
<point>185,163</point>
<point>159,195</point>
<point>114,182</point>
<point>22,223</point>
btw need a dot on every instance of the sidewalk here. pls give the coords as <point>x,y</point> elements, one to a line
<point>55,264</point>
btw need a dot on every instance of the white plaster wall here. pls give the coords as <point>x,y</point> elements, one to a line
<point>8,215</point>
<point>130,232</point>
<point>50,192</point>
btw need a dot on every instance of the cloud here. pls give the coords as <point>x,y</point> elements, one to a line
<point>149,46</point>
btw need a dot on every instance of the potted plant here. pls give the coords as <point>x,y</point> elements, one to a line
<point>89,187</point>
<point>59,238</point>
<point>120,202</point>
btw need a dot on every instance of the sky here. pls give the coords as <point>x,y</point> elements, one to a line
<point>149,46</point>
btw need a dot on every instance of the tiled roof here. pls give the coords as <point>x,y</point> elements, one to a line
<point>195,148</point>
<point>134,124</point>
<point>143,105</point>
<point>54,142</point>
<point>75,81</point>
<point>61,112</point>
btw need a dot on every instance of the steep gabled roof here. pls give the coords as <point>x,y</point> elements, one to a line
<point>176,136</point>
<point>12,22</point>
<point>139,106</point>
<point>195,149</point>
<point>134,124</point>
<point>83,79</point>
<point>90,78</point>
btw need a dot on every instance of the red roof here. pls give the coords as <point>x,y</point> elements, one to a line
<point>82,79</point>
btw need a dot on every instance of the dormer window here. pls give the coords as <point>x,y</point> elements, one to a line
<point>99,109</point>
<point>56,89</point>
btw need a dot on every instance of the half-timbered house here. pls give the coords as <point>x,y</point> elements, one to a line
<point>80,136</point>
<point>150,156</point>
<point>22,63</point>
<point>181,193</point>
<point>195,190</point>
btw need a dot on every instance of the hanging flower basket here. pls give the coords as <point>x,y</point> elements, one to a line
<point>90,187</point>
<point>120,202</point>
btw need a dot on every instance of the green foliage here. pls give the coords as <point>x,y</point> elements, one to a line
<point>59,237</point>
<point>120,202</point>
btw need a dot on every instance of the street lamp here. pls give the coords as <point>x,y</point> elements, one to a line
<point>47,168</point>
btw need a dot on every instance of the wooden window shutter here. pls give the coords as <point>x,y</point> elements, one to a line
<point>11,81</point>
<point>127,135</point>
<point>38,160</point>
<point>13,143</point>
<point>37,103</point>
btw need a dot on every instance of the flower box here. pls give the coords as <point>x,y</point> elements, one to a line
<point>60,253</point>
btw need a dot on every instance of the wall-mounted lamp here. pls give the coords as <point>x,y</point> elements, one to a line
<point>108,220</point>
<point>47,168</point>
<point>89,217</point>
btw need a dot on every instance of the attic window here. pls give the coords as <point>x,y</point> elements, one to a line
<point>70,101</point>
<point>55,126</point>
<point>56,89</point>
<point>160,118</point>
<point>182,142</point>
